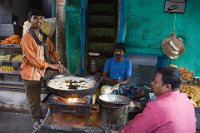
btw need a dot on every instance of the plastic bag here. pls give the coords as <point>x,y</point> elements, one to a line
<point>48,26</point>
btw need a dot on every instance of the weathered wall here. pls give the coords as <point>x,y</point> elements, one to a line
<point>7,9</point>
<point>73,35</point>
<point>5,16</point>
<point>20,8</point>
<point>47,7</point>
<point>60,30</point>
<point>147,25</point>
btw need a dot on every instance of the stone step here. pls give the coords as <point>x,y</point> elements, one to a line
<point>101,20</point>
<point>101,32</point>
<point>102,1</point>
<point>106,25</point>
<point>102,39</point>
<point>100,47</point>
<point>101,9</point>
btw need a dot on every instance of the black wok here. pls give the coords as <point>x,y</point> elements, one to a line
<point>71,92</point>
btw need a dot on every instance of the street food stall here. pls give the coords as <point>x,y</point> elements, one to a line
<point>70,106</point>
<point>70,102</point>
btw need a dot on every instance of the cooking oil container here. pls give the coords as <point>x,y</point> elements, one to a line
<point>93,66</point>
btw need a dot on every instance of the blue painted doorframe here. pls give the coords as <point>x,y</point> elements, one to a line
<point>83,25</point>
<point>122,26</point>
<point>75,35</point>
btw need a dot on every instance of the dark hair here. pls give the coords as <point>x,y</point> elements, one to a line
<point>34,12</point>
<point>120,46</point>
<point>171,76</point>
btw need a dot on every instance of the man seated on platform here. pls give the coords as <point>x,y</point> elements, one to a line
<point>117,72</point>
<point>171,112</point>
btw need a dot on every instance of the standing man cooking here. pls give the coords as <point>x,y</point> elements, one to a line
<point>35,62</point>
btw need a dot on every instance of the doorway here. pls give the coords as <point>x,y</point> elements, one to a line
<point>101,32</point>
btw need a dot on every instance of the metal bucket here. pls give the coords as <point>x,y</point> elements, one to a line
<point>113,110</point>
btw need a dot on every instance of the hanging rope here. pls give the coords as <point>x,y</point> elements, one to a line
<point>174,28</point>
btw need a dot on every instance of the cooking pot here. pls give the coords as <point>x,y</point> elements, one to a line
<point>113,110</point>
<point>71,92</point>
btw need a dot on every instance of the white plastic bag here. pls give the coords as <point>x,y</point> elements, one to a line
<point>48,26</point>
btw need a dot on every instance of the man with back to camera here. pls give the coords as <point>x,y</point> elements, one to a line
<point>171,112</point>
<point>117,71</point>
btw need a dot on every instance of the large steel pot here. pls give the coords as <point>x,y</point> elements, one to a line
<point>113,110</point>
<point>65,93</point>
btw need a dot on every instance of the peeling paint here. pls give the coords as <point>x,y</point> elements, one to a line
<point>148,25</point>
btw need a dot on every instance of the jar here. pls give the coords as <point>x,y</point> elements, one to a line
<point>93,66</point>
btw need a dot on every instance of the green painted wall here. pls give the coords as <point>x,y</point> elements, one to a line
<point>73,35</point>
<point>147,25</point>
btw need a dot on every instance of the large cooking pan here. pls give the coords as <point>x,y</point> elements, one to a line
<point>65,93</point>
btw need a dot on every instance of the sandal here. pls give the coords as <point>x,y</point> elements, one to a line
<point>36,125</point>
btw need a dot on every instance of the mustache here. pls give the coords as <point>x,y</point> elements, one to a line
<point>117,55</point>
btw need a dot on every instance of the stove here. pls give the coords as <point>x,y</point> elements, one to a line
<point>70,105</point>
<point>72,111</point>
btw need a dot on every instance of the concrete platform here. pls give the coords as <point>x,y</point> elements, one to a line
<point>11,122</point>
<point>15,123</point>
<point>73,123</point>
